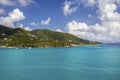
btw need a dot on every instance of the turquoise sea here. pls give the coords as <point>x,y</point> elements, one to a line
<point>77,63</point>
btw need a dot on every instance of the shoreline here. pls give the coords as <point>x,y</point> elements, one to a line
<point>49,47</point>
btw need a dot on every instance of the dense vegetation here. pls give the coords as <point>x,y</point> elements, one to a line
<point>18,37</point>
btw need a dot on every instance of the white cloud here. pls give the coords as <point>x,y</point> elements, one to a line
<point>23,27</point>
<point>89,2</point>
<point>25,2</point>
<point>20,25</point>
<point>107,9</point>
<point>107,30</point>
<point>109,13</point>
<point>68,9</point>
<point>59,30</point>
<point>15,16</point>
<point>46,22</point>
<point>16,2</point>
<point>34,24</point>
<point>7,2</point>
<point>27,28</point>
<point>2,11</point>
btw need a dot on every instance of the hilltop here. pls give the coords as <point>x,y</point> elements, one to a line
<point>18,37</point>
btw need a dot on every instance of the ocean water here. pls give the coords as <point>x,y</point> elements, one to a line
<point>78,63</point>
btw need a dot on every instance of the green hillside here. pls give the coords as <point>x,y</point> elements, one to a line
<point>18,37</point>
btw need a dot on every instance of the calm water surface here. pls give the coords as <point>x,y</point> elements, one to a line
<point>80,63</point>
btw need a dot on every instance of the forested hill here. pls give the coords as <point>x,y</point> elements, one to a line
<point>18,37</point>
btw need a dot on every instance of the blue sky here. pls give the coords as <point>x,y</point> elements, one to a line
<point>42,10</point>
<point>88,19</point>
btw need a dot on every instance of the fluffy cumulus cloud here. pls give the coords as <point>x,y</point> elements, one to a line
<point>20,25</point>
<point>34,24</point>
<point>103,33</point>
<point>27,28</point>
<point>59,30</point>
<point>68,7</point>
<point>46,22</point>
<point>16,2</point>
<point>43,22</point>
<point>23,27</point>
<point>109,28</point>
<point>15,16</point>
